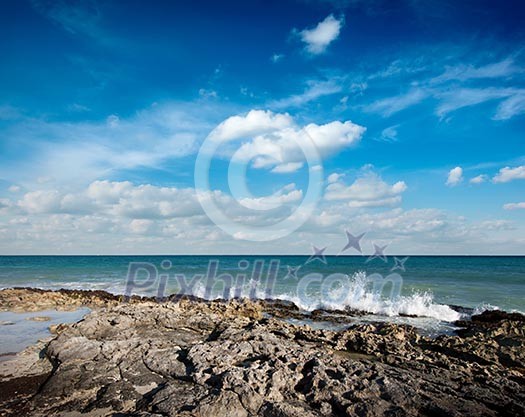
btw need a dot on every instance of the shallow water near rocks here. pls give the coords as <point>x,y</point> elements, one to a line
<point>20,330</point>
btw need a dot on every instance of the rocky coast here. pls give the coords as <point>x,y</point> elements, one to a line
<point>190,357</point>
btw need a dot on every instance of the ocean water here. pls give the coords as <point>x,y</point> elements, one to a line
<point>19,330</point>
<point>425,287</point>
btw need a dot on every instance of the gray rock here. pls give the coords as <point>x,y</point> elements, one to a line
<point>195,358</point>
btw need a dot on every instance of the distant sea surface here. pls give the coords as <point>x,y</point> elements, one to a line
<point>429,283</point>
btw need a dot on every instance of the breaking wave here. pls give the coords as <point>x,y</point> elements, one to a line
<point>357,294</point>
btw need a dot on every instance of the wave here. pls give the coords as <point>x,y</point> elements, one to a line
<point>356,296</point>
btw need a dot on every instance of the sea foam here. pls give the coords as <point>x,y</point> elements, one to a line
<point>356,296</point>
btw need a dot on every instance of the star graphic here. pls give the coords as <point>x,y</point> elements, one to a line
<point>353,242</point>
<point>400,264</point>
<point>318,254</point>
<point>292,272</point>
<point>379,252</point>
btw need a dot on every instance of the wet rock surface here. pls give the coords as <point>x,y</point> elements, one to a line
<point>196,358</point>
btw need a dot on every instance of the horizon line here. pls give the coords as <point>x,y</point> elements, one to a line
<point>266,255</point>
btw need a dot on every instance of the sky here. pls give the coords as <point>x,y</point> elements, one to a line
<point>262,127</point>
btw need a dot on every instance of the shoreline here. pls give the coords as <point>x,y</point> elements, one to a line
<point>97,298</point>
<point>192,357</point>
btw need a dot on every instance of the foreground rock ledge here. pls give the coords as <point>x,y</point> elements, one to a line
<point>196,358</point>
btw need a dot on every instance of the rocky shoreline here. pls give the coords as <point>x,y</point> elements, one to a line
<point>189,357</point>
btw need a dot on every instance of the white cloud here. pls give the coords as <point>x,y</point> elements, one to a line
<point>456,88</point>
<point>509,174</point>
<point>334,177</point>
<point>457,98</point>
<point>14,189</point>
<point>254,123</point>
<point>464,72</point>
<point>479,179</point>
<point>270,140</point>
<point>288,167</point>
<point>494,225</point>
<point>107,192</point>
<point>391,105</point>
<point>5,204</point>
<point>79,152</point>
<point>152,202</point>
<point>113,120</point>
<point>276,58</point>
<point>120,199</point>
<point>41,202</point>
<point>285,195</point>
<point>389,134</point>
<point>514,206</point>
<point>318,38</point>
<point>511,107</point>
<point>369,190</point>
<point>452,99</point>
<point>140,226</point>
<point>409,222</point>
<point>455,176</point>
<point>314,90</point>
<point>334,136</point>
<point>120,217</point>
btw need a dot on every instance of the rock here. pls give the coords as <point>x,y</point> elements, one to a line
<point>57,328</point>
<point>495,316</point>
<point>39,318</point>
<point>33,299</point>
<point>189,357</point>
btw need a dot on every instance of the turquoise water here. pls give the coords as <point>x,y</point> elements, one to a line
<point>427,282</point>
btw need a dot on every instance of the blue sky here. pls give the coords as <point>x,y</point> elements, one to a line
<point>417,110</point>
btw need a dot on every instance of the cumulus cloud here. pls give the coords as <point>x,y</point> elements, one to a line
<point>41,202</point>
<point>509,174</point>
<point>478,179</point>
<point>108,192</point>
<point>408,222</point>
<point>455,176</point>
<point>254,123</point>
<point>140,226</point>
<point>122,217</point>
<point>334,177</point>
<point>288,194</point>
<point>5,204</point>
<point>369,190</point>
<point>115,198</point>
<point>270,140</point>
<point>323,34</point>
<point>514,206</point>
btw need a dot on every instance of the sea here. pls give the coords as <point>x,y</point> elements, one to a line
<point>430,292</point>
